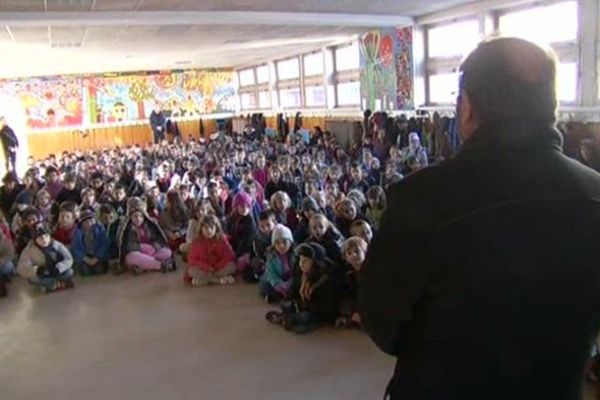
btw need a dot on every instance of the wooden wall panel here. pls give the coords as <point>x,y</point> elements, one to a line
<point>43,143</point>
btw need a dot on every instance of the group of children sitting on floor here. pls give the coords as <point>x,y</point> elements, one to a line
<point>294,217</point>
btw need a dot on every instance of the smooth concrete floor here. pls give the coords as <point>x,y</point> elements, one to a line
<point>150,337</point>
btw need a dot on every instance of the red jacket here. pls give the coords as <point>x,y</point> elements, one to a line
<point>210,255</point>
<point>65,236</point>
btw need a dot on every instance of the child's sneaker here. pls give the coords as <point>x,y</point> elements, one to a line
<point>227,280</point>
<point>168,266</point>
<point>197,282</point>
<point>135,270</point>
<point>275,317</point>
<point>68,284</point>
<point>49,289</point>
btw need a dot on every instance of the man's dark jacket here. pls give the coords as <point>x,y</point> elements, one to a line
<point>484,279</point>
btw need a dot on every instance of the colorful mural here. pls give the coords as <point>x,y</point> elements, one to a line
<point>182,94</point>
<point>47,103</point>
<point>386,69</point>
<point>110,98</point>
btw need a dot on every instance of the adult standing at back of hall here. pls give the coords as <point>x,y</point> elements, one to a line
<point>158,122</point>
<point>483,279</point>
<point>10,144</point>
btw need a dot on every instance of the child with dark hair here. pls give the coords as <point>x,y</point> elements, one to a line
<point>315,297</point>
<point>67,218</point>
<point>211,258</point>
<point>241,229</point>
<point>30,217</point>
<point>90,247</point>
<point>361,228</point>
<point>7,265</point>
<point>357,180</point>
<point>53,184</point>
<point>88,200</point>
<point>23,201</point>
<point>108,218</point>
<point>377,204</point>
<point>215,200</point>
<point>120,201</point>
<point>276,282</point>
<point>345,214</point>
<point>175,219</point>
<point>261,243</point>
<point>69,191</point>
<point>45,262</point>
<point>354,251</point>
<point>310,207</point>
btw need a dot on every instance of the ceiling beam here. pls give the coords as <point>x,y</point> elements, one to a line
<point>465,10</point>
<point>142,18</point>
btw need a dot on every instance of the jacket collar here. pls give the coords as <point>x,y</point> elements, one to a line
<point>513,136</point>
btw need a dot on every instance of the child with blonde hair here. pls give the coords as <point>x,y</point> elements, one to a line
<point>211,258</point>
<point>354,251</point>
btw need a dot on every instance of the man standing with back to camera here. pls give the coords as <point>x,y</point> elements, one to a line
<point>484,279</point>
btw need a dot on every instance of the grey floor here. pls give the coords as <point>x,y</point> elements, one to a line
<point>149,337</point>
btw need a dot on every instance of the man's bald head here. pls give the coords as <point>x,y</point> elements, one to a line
<point>508,79</point>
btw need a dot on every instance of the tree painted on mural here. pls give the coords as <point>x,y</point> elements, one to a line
<point>140,91</point>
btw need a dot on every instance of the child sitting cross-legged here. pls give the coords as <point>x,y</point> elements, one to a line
<point>354,251</point>
<point>262,242</point>
<point>142,243</point>
<point>90,246</point>
<point>211,258</point>
<point>315,296</point>
<point>276,282</point>
<point>46,262</point>
<point>7,266</point>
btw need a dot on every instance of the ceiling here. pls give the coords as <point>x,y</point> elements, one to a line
<point>50,37</point>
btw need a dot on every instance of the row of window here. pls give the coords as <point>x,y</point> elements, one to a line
<point>348,94</point>
<point>330,78</point>
<point>321,79</point>
<point>553,24</point>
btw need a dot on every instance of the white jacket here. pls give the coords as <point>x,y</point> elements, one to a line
<point>32,258</point>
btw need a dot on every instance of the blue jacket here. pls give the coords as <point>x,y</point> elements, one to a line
<point>101,244</point>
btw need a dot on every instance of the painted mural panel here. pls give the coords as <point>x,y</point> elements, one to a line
<point>47,103</point>
<point>62,102</point>
<point>182,94</point>
<point>386,69</point>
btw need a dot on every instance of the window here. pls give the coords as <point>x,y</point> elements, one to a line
<point>262,74</point>
<point>315,96</point>
<point>348,93</point>
<point>288,69</point>
<point>547,24</point>
<point>313,64</point>
<point>248,101</point>
<point>264,99</point>
<point>347,58</point>
<point>453,40</point>
<point>247,77</point>
<point>290,98</point>
<point>443,88</point>
<point>567,82</point>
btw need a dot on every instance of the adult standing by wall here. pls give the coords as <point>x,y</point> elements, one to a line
<point>483,279</point>
<point>10,144</point>
<point>158,122</point>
